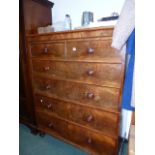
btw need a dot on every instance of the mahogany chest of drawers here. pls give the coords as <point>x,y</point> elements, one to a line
<point>77,81</point>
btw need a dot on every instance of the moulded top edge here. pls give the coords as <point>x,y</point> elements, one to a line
<point>73,31</point>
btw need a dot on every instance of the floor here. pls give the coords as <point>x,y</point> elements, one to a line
<point>30,144</point>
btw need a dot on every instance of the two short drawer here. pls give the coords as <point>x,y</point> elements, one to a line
<point>98,143</point>
<point>96,49</point>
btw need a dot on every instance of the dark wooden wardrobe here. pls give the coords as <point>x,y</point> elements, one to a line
<point>32,14</point>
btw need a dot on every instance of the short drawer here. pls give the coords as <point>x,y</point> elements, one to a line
<point>103,121</point>
<point>97,50</point>
<point>102,97</point>
<point>97,73</point>
<point>52,50</point>
<point>98,143</point>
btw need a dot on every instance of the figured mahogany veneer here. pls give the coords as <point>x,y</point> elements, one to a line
<point>93,73</point>
<point>48,50</point>
<point>94,142</point>
<point>103,97</point>
<point>94,49</point>
<point>77,81</point>
<point>103,121</point>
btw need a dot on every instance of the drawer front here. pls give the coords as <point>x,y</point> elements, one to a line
<point>53,50</point>
<point>83,93</point>
<point>98,143</point>
<point>102,145</point>
<point>97,73</point>
<point>47,122</point>
<point>100,120</point>
<point>92,50</point>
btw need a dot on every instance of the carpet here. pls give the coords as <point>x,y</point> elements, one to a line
<point>30,144</point>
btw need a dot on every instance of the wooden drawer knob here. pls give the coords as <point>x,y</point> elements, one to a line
<point>90,50</point>
<point>89,140</point>
<point>50,125</point>
<point>49,106</point>
<point>74,49</point>
<point>47,68</point>
<point>48,87</point>
<point>89,118</point>
<point>90,95</point>
<point>45,50</point>
<point>41,100</point>
<point>90,72</point>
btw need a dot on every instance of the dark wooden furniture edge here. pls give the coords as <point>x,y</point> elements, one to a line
<point>33,128</point>
<point>73,31</point>
<point>45,2</point>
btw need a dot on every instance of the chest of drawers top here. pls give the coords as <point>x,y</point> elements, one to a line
<point>72,34</point>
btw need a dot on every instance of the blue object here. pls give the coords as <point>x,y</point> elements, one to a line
<point>127,89</point>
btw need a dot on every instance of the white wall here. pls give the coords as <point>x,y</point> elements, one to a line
<point>100,8</point>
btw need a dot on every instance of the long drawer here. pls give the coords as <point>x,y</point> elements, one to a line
<point>102,97</point>
<point>92,141</point>
<point>103,121</point>
<point>46,50</point>
<point>97,73</point>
